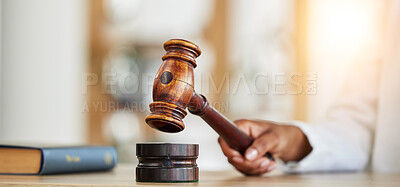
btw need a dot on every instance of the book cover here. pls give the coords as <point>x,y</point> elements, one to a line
<point>54,160</point>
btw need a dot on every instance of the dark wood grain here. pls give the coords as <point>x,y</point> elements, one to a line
<point>172,96</point>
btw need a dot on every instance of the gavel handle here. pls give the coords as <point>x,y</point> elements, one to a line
<point>235,137</point>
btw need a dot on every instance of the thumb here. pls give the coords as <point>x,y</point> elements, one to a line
<point>261,145</point>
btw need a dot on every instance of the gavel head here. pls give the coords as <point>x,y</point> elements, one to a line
<point>173,86</point>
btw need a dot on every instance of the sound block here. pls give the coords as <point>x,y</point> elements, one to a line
<point>167,162</point>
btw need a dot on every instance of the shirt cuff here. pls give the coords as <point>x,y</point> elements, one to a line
<point>308,163</point>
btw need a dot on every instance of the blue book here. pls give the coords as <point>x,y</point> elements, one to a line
<point>25,160</point>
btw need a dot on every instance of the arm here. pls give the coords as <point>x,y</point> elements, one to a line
<point>341,142</point>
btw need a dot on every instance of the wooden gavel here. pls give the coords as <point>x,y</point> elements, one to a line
<point>173,92</point>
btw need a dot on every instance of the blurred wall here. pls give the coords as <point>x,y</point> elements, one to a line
<point>1,73</point>
<point>341,35</point>
<point>44,56</point>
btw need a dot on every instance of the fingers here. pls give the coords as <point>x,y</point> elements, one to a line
<point>256,167</point>
<point>254,162</point>
<point>266,142</point>
<point>252,128</point>
<point>227,150</point>
<point>243,125</point>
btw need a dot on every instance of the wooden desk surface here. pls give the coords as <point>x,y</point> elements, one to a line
<point>123,175</point>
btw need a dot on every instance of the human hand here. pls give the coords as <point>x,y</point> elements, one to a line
<point>283,141</point>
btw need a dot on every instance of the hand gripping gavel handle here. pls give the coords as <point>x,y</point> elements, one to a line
<point>235,137</point>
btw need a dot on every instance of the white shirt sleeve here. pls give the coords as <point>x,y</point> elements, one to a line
<point>342,141</point>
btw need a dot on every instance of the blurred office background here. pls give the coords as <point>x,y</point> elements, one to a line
<point>81,72</point>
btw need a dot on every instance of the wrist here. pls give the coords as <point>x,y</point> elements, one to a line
<point>298,145</point>
<point>303,145</point>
